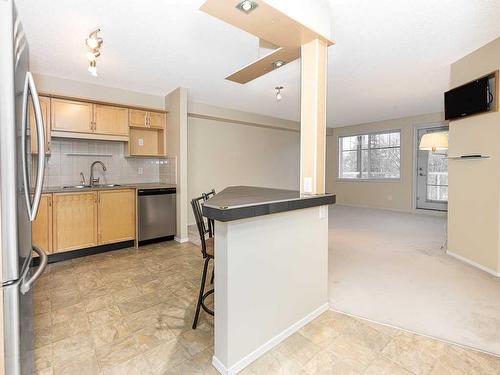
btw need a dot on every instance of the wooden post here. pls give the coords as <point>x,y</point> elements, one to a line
<point>313,117</point>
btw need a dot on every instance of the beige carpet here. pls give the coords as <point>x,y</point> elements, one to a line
<point>388,267</point>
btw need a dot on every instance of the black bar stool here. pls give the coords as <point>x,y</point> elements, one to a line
<point>207,250</point>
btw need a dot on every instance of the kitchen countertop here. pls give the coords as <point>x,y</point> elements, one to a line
<point>241,202</point>
<point>151,185</point>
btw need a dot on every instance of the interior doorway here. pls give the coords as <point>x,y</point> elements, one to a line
<point>431,174</point>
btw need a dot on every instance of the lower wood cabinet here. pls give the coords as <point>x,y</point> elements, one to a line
<point>116,216</point>
<point>41,230</point>
<point>74,220</point>
<point>77,220</point>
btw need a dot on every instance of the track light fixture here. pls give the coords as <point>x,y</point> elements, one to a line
<point>94,44</point>
<point>278,93</point>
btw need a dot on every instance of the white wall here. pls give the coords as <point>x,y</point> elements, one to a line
<point>474,193</point>
<point>176,102</point>
<point>228,147</point>
<point>66,87</point>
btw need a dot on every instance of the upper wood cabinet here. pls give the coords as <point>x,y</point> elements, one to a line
<point>74,221</point>
<point>71,116</point>
<point>45,106</point>
<point>41,229</point>
<point>138,118</point>
<point>81,118</point>
<point>110,120</point>
<point>116,216</point>
<point>147,119</point>
<point>157,120</point>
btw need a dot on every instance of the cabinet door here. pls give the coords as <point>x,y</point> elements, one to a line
<point>45,106</point>
<point>71,116</point>
<point>157,120</point>
<point>41,228</point>
<point>116,216</point>
<point>110,120</point>
<point>138,118</point>
<point>74,221</point>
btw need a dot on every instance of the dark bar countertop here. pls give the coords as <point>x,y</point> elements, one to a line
<point>241,202</point>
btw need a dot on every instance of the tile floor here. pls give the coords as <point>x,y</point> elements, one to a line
<point>130,312</point>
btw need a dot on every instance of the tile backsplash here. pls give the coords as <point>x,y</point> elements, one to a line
<point>69,157</point>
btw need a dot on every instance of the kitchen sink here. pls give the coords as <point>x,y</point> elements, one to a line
<point>96,186</point>
<point>106,185</point>
<point>76,187</point>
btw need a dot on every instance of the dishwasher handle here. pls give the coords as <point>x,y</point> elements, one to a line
<point>158,191</point>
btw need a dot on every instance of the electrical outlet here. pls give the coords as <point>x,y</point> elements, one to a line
<point>140,170</point>
<point>141,142</point>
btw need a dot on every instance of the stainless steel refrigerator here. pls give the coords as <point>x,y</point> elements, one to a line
<point>20,191</point>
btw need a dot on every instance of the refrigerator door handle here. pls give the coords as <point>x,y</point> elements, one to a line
<point>26,285</point>
<point>29,87</point>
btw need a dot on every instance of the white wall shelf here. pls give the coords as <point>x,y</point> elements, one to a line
<point>465,157</point>
<point>87,154</point>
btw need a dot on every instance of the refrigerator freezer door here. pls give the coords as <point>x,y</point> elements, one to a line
<point>15,217</point>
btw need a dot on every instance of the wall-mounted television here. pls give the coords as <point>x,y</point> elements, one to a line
<point>471,98</point>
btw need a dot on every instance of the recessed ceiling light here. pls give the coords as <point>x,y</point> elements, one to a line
<point>278,63</point>
<point>247,6</point>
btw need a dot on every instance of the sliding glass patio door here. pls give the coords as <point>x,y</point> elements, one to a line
<point>432,175</point>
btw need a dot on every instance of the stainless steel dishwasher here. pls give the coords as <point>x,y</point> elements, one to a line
<point>157,214</point>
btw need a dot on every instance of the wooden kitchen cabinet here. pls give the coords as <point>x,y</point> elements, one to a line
<point>147,119</point>
<point>110,120</point>
<point>71,116</point>
<point>45,106</point>
<point>74,219</point>
<point>147,142</point>
<point>41,228</point>
<point>116,216</point>
<point>138,118</point>
<point>157,120</point>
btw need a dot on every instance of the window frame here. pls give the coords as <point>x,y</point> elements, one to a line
<point>371,179</point>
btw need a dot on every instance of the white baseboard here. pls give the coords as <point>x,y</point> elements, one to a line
<point>244,362</point>
<point>181,240</point>
<point>472,263</point>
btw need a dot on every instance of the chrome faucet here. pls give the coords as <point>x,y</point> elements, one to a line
<point>93,181</point>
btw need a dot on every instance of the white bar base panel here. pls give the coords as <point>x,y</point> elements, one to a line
<point>271,279</point>
<point>268,345</point>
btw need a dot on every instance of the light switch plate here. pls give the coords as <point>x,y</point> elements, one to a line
<point>140,170</point>
<point>307,185</point>
<point>141,142</point>
<point>323,212</point>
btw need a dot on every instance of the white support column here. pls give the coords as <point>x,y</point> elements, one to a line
<point>313,117</point>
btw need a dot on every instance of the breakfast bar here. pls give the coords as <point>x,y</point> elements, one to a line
<point>271,268</point>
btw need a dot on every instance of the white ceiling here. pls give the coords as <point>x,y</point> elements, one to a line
<point>391,57</point>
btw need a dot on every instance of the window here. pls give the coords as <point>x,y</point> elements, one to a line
<point>370,156</point>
